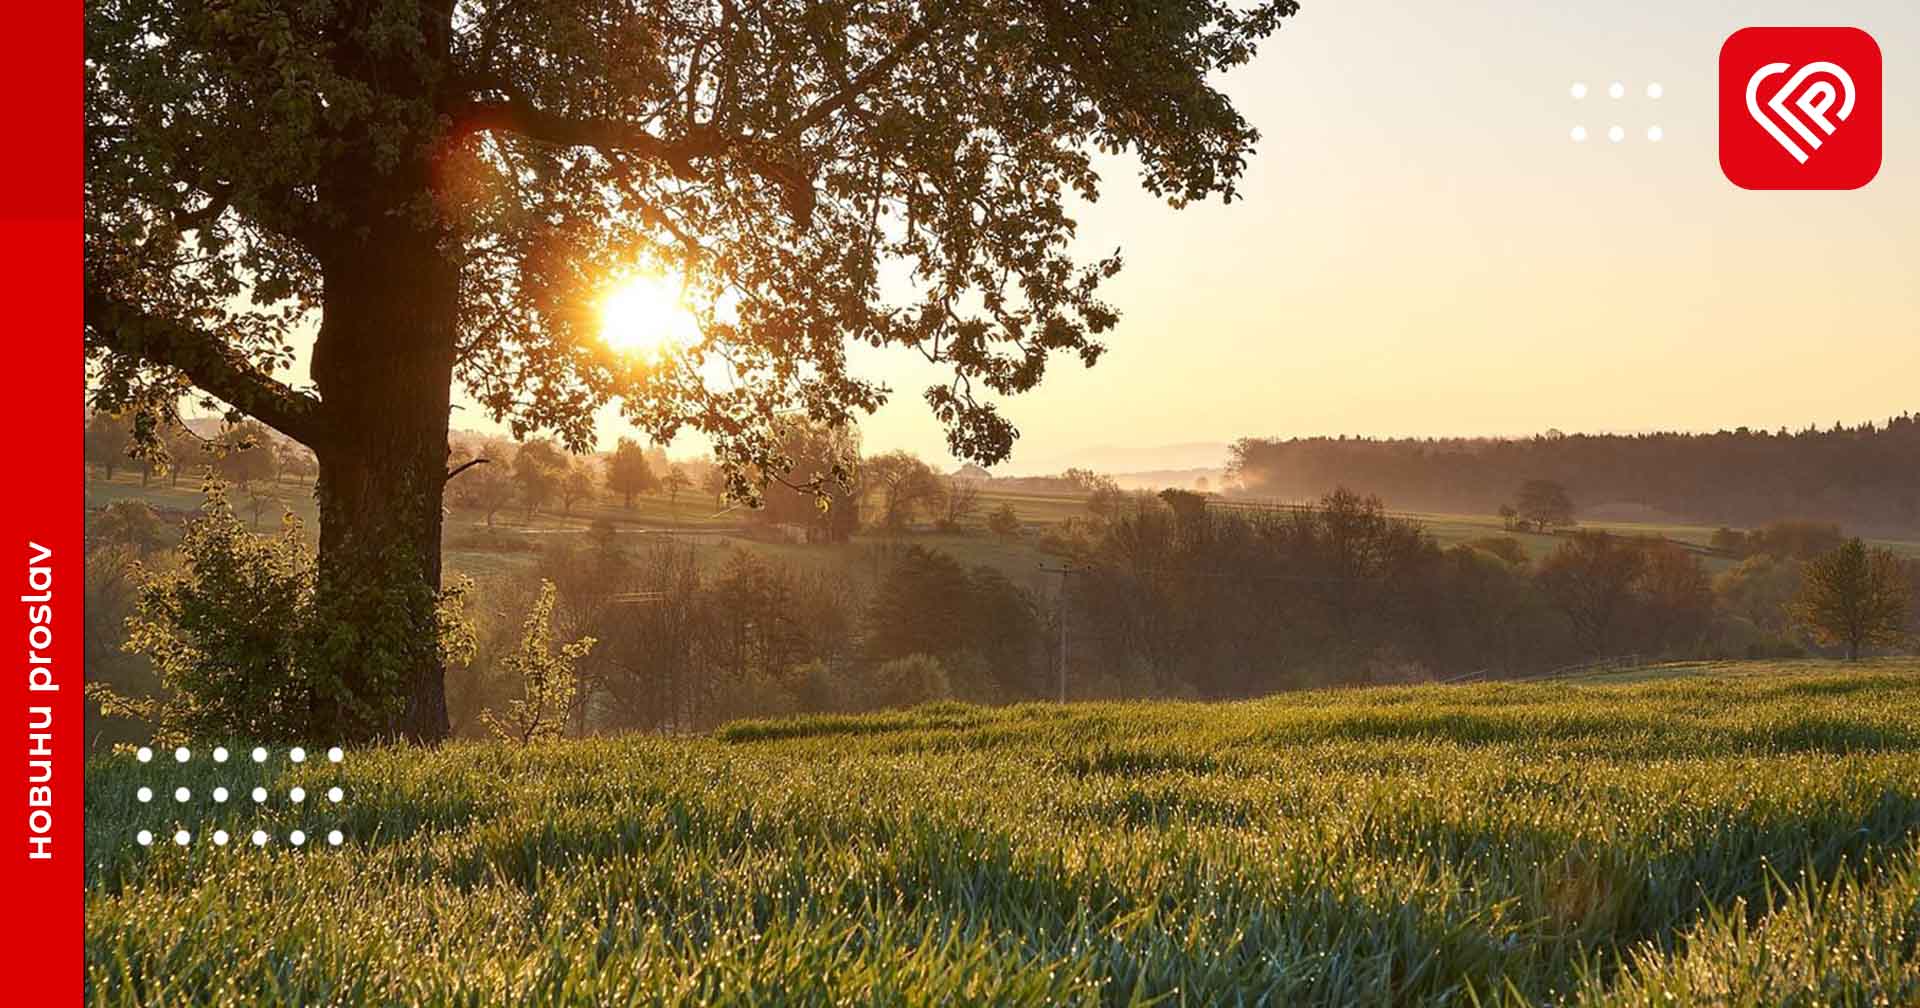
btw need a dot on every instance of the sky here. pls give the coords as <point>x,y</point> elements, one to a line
<point>1423,250</point>
<point>1420,249</point>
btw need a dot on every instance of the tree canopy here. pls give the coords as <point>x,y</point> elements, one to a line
<point>772,155</point>
<point>443,192</point>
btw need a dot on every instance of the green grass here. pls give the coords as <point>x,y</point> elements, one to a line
<point>1725,835</point>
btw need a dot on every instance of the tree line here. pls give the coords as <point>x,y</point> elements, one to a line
<point>1159,595</point>
<point>1866,476</point>
<point>1170,597</point>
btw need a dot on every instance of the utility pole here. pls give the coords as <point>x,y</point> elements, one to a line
<point>1066,613</point>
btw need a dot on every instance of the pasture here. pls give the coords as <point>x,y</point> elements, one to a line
<point>1739,834</point>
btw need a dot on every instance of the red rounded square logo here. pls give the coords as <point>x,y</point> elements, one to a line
<point>1800,108</point>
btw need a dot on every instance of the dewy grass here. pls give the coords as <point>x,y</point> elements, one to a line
<point>1733,835</point>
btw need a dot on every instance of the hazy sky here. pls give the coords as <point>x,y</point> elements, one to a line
<point>1421,249</point>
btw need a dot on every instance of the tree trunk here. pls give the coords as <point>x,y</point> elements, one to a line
<point>383,364</point>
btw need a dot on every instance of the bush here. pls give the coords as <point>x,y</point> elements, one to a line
<point>231,635</point>
<point>905,682</point>
<point>222,633</point>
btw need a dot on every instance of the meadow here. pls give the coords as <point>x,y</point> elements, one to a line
<point>1737,834</point>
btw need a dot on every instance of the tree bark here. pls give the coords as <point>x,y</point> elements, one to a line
<point>383,364</point>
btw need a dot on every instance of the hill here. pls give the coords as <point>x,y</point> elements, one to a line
<point>1733,834</point>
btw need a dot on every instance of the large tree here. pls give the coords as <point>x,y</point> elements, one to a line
<point>628,473</point>
<point>1855,597</point>
<point>441,191</point>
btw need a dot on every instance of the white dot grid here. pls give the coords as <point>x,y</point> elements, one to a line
<point>220,837</point>
<point>1616,90</point>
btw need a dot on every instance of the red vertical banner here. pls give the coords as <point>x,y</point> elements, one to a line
<point>41,384</point>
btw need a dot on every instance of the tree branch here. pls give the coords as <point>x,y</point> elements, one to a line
<point>464,466</point>
<point>207,360</point>
<point>819,111</point>
<point>515,114</point>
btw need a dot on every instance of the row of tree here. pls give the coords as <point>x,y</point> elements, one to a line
<point>1165,596</point>
<point>1170,597</point>
<point>1858,476</point>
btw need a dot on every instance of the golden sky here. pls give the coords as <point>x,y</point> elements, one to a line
<point>1423,250</point>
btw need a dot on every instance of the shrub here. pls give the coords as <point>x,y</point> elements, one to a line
<point>548,685</point>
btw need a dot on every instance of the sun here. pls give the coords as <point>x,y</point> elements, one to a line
<point>646,315</point>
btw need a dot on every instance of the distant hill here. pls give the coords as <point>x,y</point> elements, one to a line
<point>1865,478</point>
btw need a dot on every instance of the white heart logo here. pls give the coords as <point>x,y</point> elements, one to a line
<point>1813,100</point>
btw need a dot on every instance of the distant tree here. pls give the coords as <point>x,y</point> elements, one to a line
<point>244,454</point>
<point>920,607</point>
<point>815,488</point>
<point>902,483</point>
<point>628,473</point>
<point>186,452</point>
<point>1591,579</point>
<point>1855,596</point>
<point>1186,505</point>
<point>538,468</point>
<point>676,482</point>
<point>1545,503</point>
<point>909,680</point>
<point>1675,597</point>
<point>1760,590</point>
<point>486,482</point>
<point>296,460</point>
<point>1507,515</point>
<point>547,678</point>
<point>576,486</point>
<point>244,457</point>
<point>1004,521</point>
<point>1800,540</point>
<point>714,482</point>
<point>1104,497</point>
<point>961,501</point>
<point>1203,484</point>
<point>129,523</point>
<point>108,438</point>
<point>1084,480</point>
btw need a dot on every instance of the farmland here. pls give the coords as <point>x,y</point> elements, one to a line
<point>474,547</point>
<point>1724,834</point>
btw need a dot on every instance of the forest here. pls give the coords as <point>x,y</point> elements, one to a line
<point>1863,476</point>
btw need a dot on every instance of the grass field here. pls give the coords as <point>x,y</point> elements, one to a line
<point>1724,835</point>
